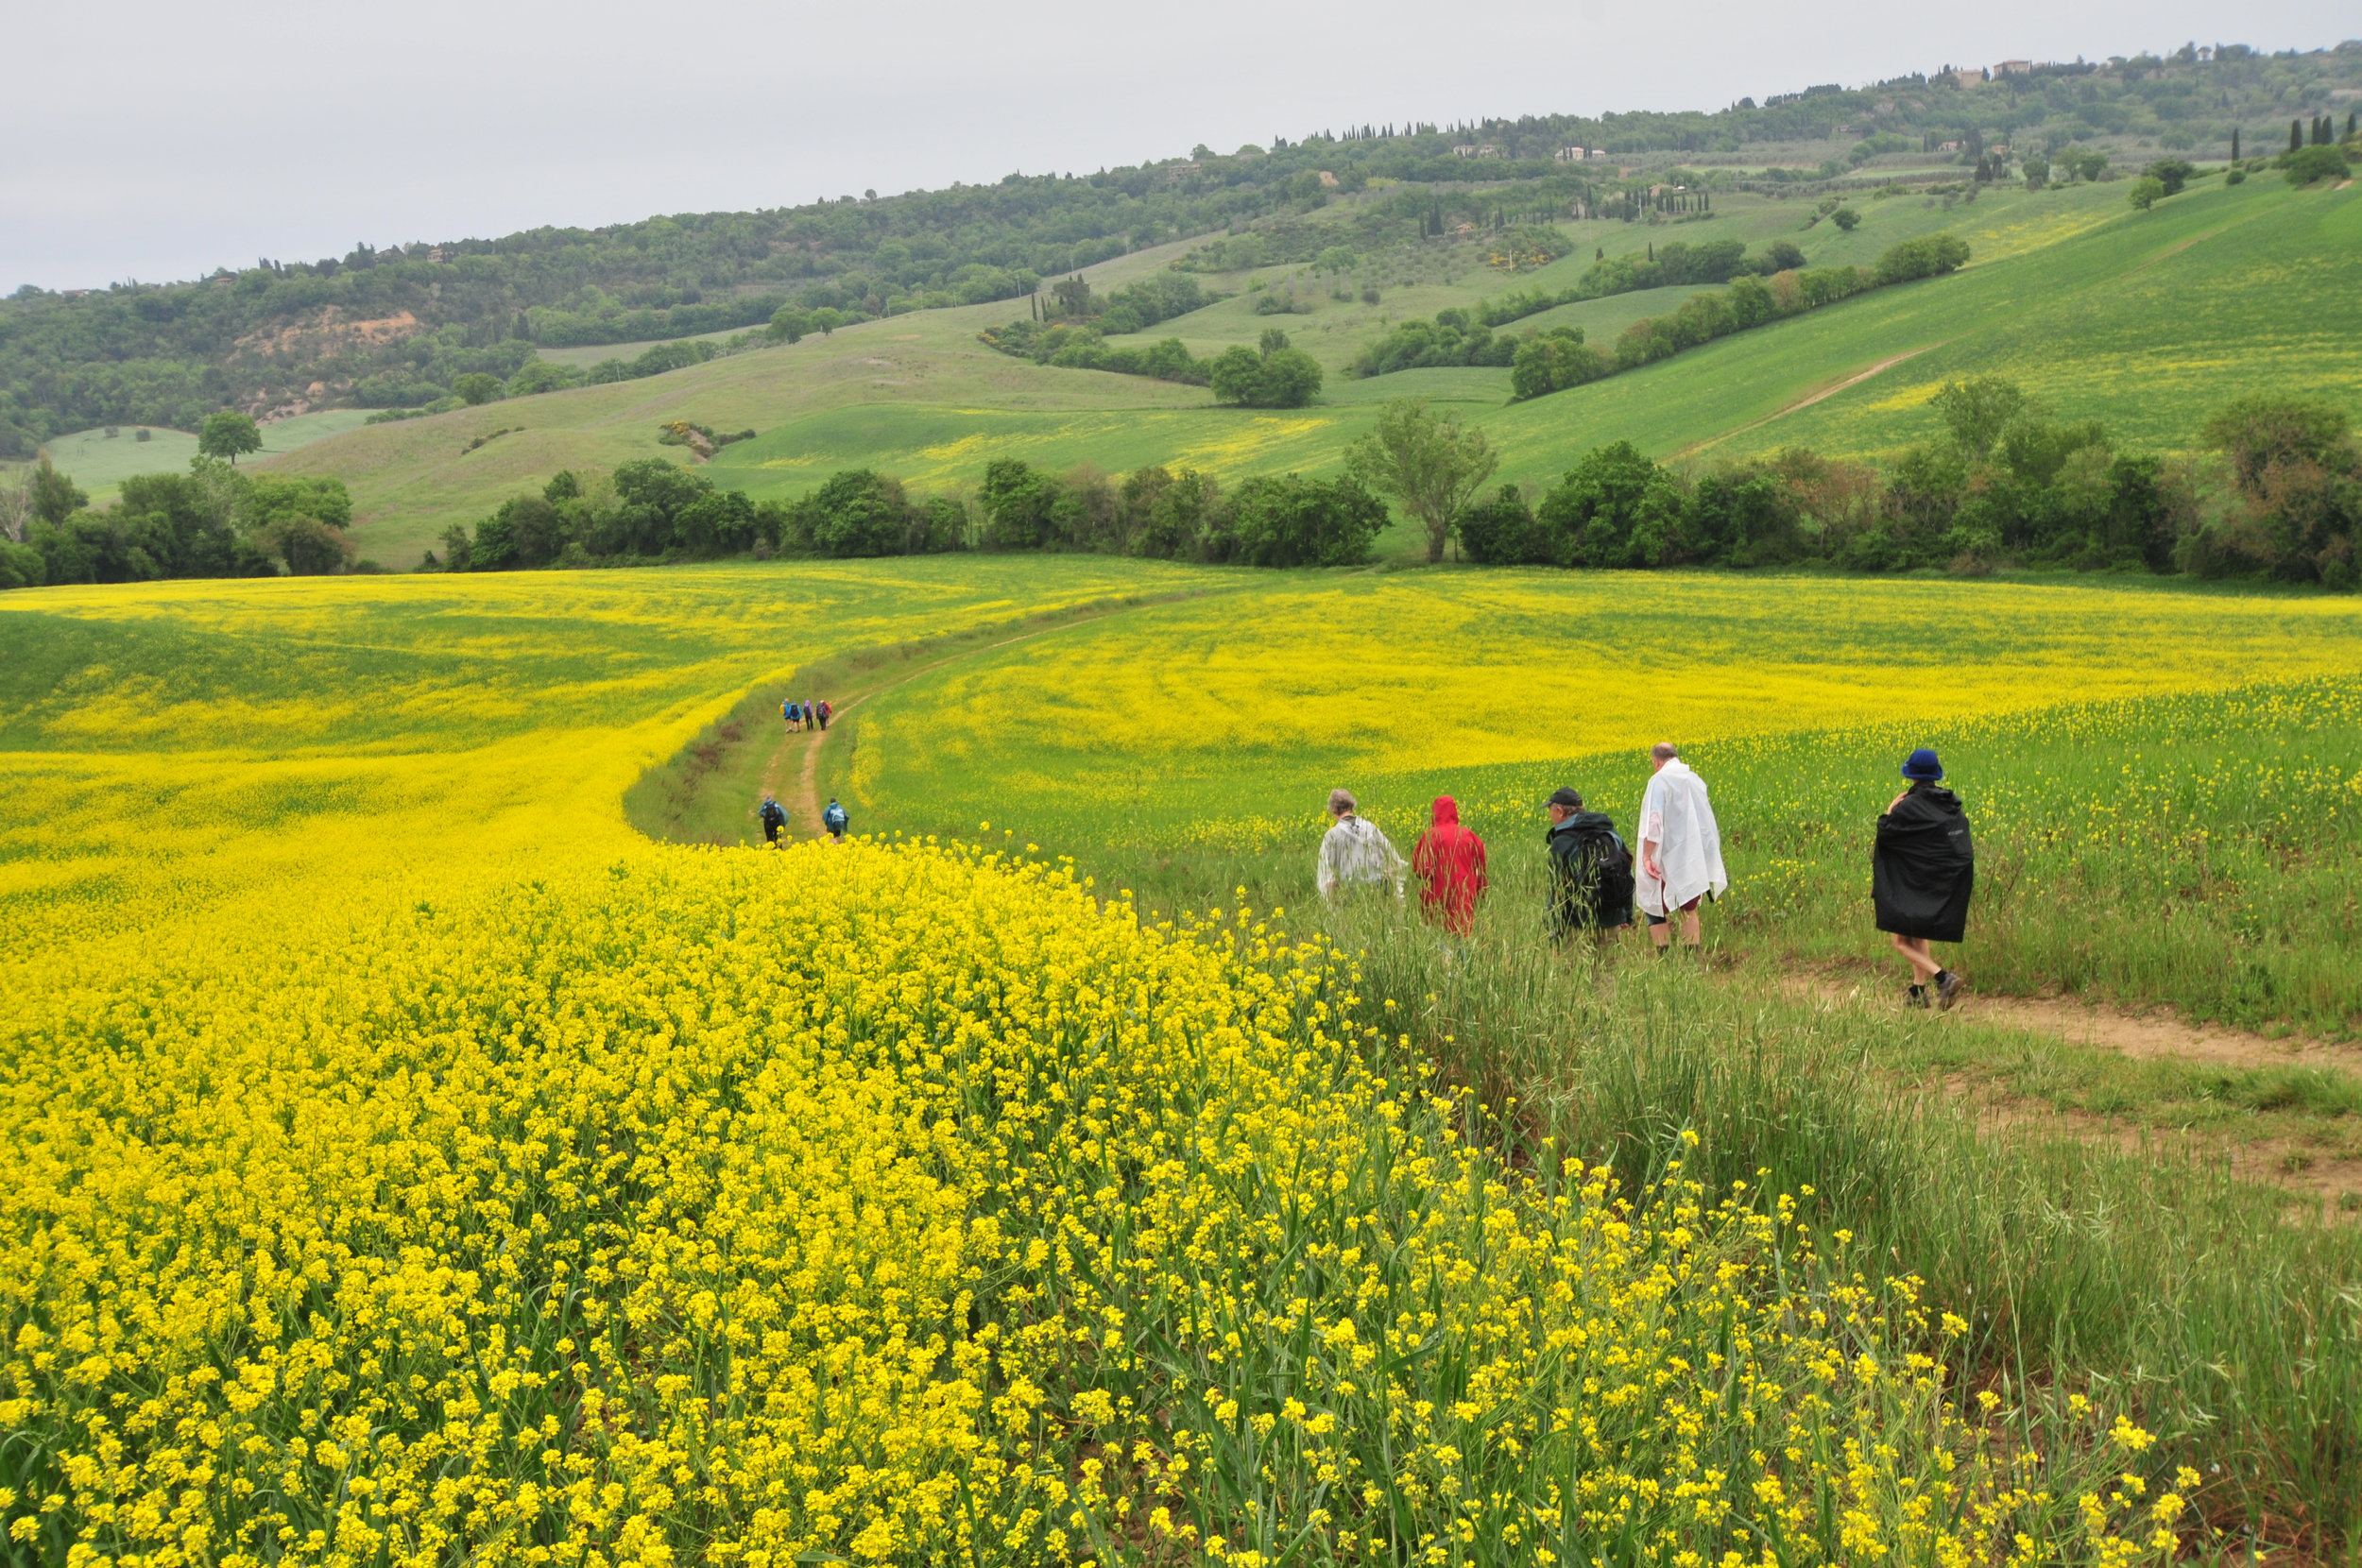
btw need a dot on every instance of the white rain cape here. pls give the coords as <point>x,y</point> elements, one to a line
<point>1676,814</point>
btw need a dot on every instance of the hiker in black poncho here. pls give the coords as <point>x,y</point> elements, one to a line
<point>1921,874</point>
<point>1591,883</point>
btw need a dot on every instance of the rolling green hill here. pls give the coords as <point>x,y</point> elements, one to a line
<point>100,460</point>
<point>2145,320</point>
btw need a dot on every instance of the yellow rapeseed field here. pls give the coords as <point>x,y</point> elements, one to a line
<point>1398,674</point>
<point>402,1163</point>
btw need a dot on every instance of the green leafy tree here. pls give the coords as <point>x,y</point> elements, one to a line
<point>1273,375</point>
<point>2269,430</point>
<point>478,388</point>
<point>1296,521</point>
<point>1845,218</point>
<point>543,375</point>
<point>1429,465</point>
<point>2171,175</point>
<point>2308,166</point>
<point>859,513</point>
<point>228,435</point>
<point>2146,192</point>
<point>51,496</point>
<point>1927,256</point>
<point>1978,410</point>
<point>1020,505</point>
<point>1615,509</point>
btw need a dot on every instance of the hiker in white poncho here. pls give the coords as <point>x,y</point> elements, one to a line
<point>1355,856</point>
<point>1681,848</point>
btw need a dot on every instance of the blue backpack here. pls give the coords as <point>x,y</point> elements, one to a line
<point>834,817</point>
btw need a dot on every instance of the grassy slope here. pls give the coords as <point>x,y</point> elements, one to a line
<point>100,463</point>
<point>2147,321</point>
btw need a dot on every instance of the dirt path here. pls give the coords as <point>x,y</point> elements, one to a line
<point>2144,1036</point>
<point>803,806</point>
<point>2328,1181</point>
<point>1810,398</point>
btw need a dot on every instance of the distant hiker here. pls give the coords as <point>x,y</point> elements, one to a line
<point>1922,874</point>
<point>1449,860</point>
<point>1681,847</point>
<point>835,819</point>
<point>1355,856</point>
<point>792,712</point>
<point>1591,880</point>
<point>826,712</point>
<point>774,817</point>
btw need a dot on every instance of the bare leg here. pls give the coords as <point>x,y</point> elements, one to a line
<point>1690,929</point>
<point>1923,966</point>
<point>1661,932</point>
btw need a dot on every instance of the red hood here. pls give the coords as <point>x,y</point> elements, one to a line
<point>1446,811</point>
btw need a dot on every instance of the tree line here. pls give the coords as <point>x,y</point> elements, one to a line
<point>2005,484</point>
<point>1543,362</point>
<point>650,512</point>
<point>211,522</point>
<point>1070,326</point>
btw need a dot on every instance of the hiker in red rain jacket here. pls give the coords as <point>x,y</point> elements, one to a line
<point>1450,863</point>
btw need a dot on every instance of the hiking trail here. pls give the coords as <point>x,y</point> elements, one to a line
<point>2329,1180</point>
<point>1809,399</point>
<point>804,807</point>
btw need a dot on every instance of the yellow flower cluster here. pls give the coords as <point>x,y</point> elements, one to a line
<point>898,1205</point>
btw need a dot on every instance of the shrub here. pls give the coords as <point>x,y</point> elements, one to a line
<point>2310,164</point>
<point>1295,521</point>
<point>20,566</point>
<point>858,513</point>
<point>1928,256</point>
<point>1615,509</point>
<point>1501,532</point>
<point>1271,376</point>
<point>1553,362</point>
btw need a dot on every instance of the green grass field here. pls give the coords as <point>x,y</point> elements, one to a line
<point>2146,321</point>
<point>100,463</point>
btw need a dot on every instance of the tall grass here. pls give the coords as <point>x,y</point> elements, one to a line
<point>2234,1333</point>
<point>2203,852</point>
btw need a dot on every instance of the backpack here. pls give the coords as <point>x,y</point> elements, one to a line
<point>834,817</point>
<point>774,814</point>
<point>1605,856</point>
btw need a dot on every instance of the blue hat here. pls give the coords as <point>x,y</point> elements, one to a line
<point>1922,765</point>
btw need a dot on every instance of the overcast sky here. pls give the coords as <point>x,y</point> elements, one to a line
<point>158,140</point>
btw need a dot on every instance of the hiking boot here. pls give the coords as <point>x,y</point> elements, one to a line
<point>1948,989</point>
<point>1916,996</point>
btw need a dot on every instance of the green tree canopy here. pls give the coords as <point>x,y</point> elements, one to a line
<point>1429,465</point>
<point>1270,376</point>
<point>1978,410</point>
<point>228,435</point>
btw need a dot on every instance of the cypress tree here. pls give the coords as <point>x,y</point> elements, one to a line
<point>2234,144</point>
<point>2295,139</point>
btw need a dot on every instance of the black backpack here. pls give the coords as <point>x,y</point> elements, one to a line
<point>1609,862</point>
